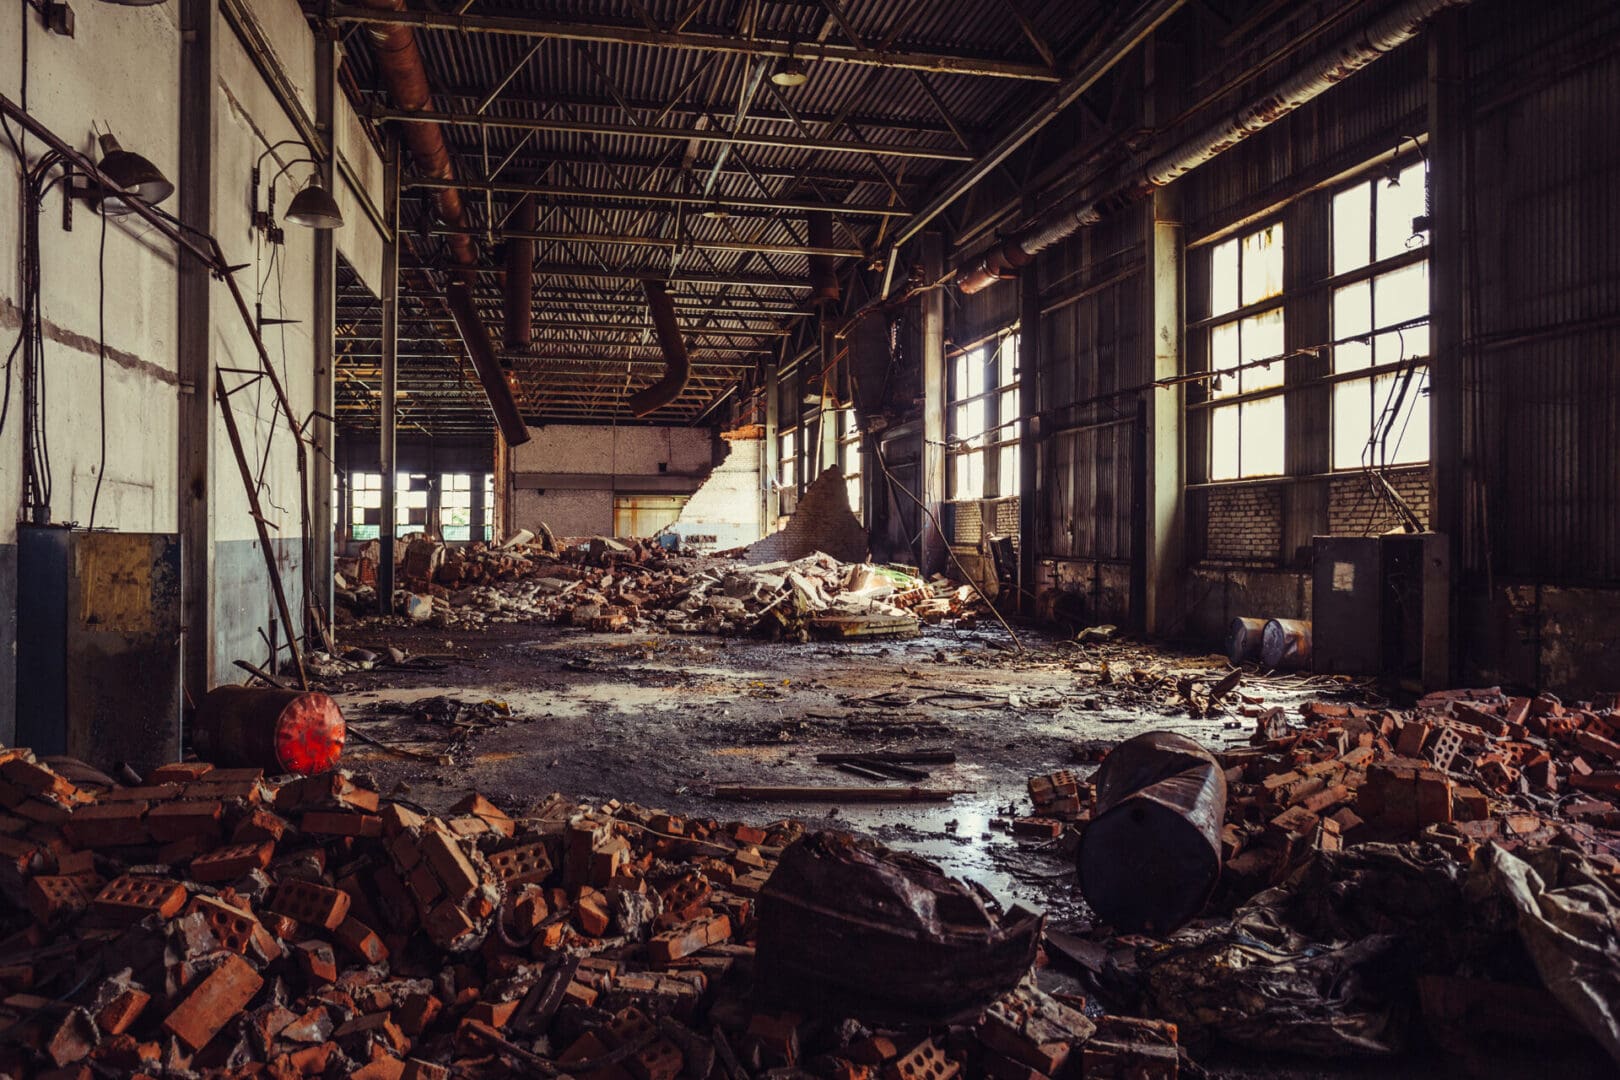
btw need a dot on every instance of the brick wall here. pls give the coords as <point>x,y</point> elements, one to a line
<point>1356,508</point>
<point>725,511</point>
<point>1245,525</point>
<point>822,521</point>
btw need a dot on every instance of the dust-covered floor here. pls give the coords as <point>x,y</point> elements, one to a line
<point>661,720</point>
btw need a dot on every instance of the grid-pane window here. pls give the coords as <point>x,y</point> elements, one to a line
<point>1380,320</point>
<point>1246,434</point>
<point>787,469</point>
<point>489,506</point>
<point>849,456</point>
<point>455,506</point>
<point>983,418</point>
<point>365,502</point>
<point>410,503</point>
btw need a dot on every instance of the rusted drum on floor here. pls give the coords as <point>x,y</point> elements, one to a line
<point>1243,640</point>
<point>1150,859</point>
<point>279,731</point>
<point>1287,644</point>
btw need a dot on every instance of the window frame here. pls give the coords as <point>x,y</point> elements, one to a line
<point>999,433</point>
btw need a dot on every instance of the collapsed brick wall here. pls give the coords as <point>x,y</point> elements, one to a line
<point>724,512</point>
<point>822,521</point>
<point>1355,508</point>
<point>1245,525</point>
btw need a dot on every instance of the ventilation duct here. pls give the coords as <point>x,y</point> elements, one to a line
<point>519,307</point>
<point>823,272</point>
<point>676,365</point>
<point>1399,25</point>
<point>400,63</point>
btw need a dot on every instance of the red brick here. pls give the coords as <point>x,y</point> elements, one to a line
<point>316,960</point>
<point>925,1062</point>
<point>214,1002</point>
<point>449,865</point>
<point>259,826</point>
<point>121,1010</point>
<point>340,823</point>
<point>132,897</point>
<point>493,816</point>
<point>177,820</point>
<point>417,1013</point>
<point>529,864</point>
<point>1038,827</point>
<point>179,772</point>
<point>229,863</point>
<point>361,940</point>
<point>674,944</point>
<point>52,897</point>
<point>107,824</point>
<point>590,910</point>
<point>309,903</point>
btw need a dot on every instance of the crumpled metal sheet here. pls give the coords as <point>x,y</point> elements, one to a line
<point>847,922</point>
<point>1569,921</point>
<point>1312,966</point>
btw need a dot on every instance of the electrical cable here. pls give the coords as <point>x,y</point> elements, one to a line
<point>101,342</point>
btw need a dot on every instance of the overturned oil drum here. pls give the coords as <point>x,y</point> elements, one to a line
<point>279,731</point>
<point>847,924</point>
<point>1286,644</point>
<point>1151,858</point>
<point>1243,640</point>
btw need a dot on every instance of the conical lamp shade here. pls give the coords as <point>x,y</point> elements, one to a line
<point>314,208</point>
<point>134,176</point>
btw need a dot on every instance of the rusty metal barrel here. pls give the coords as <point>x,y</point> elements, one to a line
<point>1286,644</point>
<point>1243,640</point>
<point>1151,858</point>
<point>280,731</point>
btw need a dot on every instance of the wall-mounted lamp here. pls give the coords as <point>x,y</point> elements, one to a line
<point>133,3</point>
<point>313,207</point>
<point>133,175</point>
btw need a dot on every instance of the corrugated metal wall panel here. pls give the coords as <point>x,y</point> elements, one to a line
<point>1544,415</point>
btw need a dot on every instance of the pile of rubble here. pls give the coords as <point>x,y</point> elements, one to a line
<point>637,585</point>
<point>218,922</point>
<point>1475,837</point>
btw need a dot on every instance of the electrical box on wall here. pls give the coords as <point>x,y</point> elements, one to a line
<point>1380,606</point>
<point>98,652</point>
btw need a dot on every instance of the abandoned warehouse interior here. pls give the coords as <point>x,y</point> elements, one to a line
<point>837,538</point>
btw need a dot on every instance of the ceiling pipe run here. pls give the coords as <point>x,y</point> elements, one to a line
<point>823,268</point>
<point>519,284</point>
<point>677,367</point>
<point>400,63</point>
<point>1353,53</point>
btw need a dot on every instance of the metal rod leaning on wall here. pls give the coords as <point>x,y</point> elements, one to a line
<point>206,249</point>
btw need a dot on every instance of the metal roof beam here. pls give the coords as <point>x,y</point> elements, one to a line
<point>730,203</point>
<point>669,134</point>
<point>945,63</point>
<point>674,243</point>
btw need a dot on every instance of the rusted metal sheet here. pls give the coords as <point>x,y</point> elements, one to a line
<point>280,731</point>
<point>885,934</point>
<point>1151,858</point>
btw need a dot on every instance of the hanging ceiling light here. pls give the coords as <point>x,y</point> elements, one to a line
<point>714,211</point>
<point>314,208</point>
<point>134,176</point>
<point>791,72</point>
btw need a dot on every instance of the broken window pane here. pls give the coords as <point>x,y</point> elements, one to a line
<point>1263,264</point>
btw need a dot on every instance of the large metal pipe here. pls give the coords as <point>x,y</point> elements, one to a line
<point>678,368</point>
<point>1352,53</point>
<point>400,63</point>
<point>1151,858</point>
<point>823,268</point>
<point>491,376</point>
<point>519,282</point>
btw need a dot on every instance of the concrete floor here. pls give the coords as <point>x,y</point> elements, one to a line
<point>660,720</point>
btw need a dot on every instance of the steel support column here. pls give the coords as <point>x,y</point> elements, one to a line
<point>324,327</point>
<point>1029,495</point>
<point>772,503</point>
<point>390,382</point>
<point>1449,177</point>
<point>1164,417</point>
<point>199,70</point>
<point>933,370</point>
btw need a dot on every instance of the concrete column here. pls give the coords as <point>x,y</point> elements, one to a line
<point>1029,499</point>
<point>324,329</point>
<point>386,459</point>
<point>770,504</point>
<point>933,370</point>
<point>1165,420</point>
<point>199,71</point>
<point>1449,175</point>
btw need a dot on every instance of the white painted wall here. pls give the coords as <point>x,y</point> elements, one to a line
<point>725,511</point>
<point>626,457</point>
